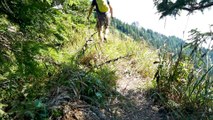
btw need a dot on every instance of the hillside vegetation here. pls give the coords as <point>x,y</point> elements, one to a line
<point>184,68</point>
<point>50,57</point>
<point>170,43</point>
<point>52,64</point>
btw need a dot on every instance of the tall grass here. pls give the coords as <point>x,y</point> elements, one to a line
<point>88,75</point>
<point>184,83</point>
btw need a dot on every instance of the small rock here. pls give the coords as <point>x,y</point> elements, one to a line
<point>155,108</point>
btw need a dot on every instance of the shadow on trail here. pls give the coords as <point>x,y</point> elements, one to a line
<point>137,105</point>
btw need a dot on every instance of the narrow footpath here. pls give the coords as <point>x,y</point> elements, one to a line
<point>138,104</point>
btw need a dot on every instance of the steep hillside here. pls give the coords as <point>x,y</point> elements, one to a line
<point>85,70</point>
<point>53,66</point>
<point>185,68</point>
<point>170,43</point>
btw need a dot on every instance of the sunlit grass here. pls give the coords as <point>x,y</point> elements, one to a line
<point>67,66</point>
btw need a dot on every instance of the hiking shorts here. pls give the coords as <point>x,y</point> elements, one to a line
<point>103,19</point>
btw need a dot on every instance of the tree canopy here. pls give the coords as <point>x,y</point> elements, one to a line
<point>174,7</point>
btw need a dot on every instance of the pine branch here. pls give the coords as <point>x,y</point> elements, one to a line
<point>198,7</point>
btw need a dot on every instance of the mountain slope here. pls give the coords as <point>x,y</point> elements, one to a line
<point>169,43</point>
<point>50,64</point>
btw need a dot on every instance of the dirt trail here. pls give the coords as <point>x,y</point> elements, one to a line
<point>133,86</point>
<point>133,103</point>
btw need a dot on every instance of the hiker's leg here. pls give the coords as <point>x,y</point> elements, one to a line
<point>106,31</point>
<point>99,26</point>
<point>106,26</point>
<point>100,33</point>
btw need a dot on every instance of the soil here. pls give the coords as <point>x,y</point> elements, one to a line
<point>134,87</point>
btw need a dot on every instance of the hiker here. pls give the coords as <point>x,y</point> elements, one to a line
<point>103,12</point>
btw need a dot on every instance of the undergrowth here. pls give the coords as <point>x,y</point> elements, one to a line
<point>48,57</point>
<point>80,69</point>
<point>184,82</point>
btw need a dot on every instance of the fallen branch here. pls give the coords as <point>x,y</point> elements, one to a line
<point>85,46</point>
<point>113,60</point>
